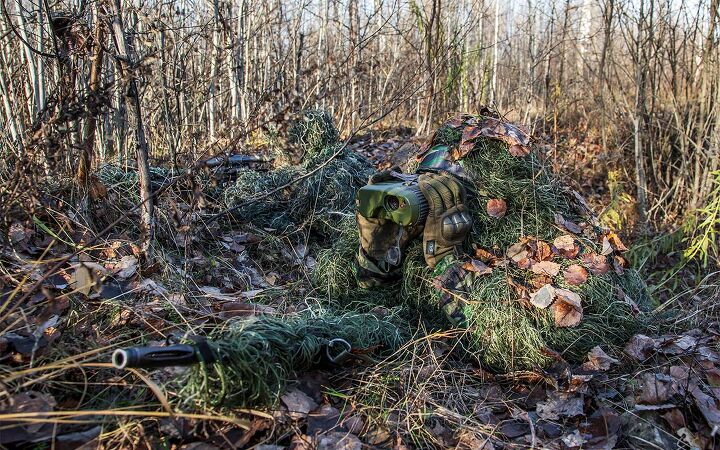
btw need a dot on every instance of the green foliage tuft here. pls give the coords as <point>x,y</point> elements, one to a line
<point>322,189</point>
<point>315,131</point>
<point>259,355</point>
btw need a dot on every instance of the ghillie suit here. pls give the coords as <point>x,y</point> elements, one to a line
<point>248,362</point>
<point>542,279</point>
<point>326,189</point>
<point>534,280</point>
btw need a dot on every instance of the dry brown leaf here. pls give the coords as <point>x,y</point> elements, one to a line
<point>517,252</point>
<point>518,150</point>
<point>606,247</point>
<point>543,252</point>
<point>639,347</point>
<point>597,264</point>
<point>567,224</point>
<point>525,263</point>
<point>467,141</point>
<point>598,360</point>
<point>126,267</point>
<point>575,275</point>
<point>548,268</point>
<point>496,208</point>
<point>539,281</point>
<point>566,246</point>
<point>485,256</point>
<point>298,403</point>
<point>567,308</point>
<point>29,403</point>
<point>565,242</point>
<point>457,121</point>
<point>477,267</point>
<point>621,295</point>
<point>619,263</point>
<point>543,297</point>
<point>675,419</point>
<point>616,243</point>
<point>560,404</point>
<point>655,389</point>
<point>520,288</point>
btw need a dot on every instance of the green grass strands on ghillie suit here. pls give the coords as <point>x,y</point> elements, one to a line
<point>259,356</point>
<point>320,198</point>
<point>542,277</point>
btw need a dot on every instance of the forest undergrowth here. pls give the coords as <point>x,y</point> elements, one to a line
<point>74,286</point>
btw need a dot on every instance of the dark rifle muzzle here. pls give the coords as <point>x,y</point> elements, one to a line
<point>152,357</point>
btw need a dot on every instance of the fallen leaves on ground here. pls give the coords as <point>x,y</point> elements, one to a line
<point>543,297</point>
<point>567,308</point>
<point>596,264</point>
<point>575,275</point>
<point>548,268</point>
<point>496,208</point>
<point>298,403</point>
<point>476,266</point>
<point>566,246</point>
<point>567,224</point>
<point>559,405</point>
<point>598,360</point>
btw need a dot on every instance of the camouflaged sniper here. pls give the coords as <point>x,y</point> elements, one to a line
<point>394,208</point>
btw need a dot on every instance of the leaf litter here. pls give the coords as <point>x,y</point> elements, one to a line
<point>564,405</point>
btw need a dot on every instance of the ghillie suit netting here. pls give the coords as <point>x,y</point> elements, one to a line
<point>324,193</point>
<point>258,356</point>
<point>543,278</point>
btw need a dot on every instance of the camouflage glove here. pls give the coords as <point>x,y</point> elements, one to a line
<point>382,243</point>
<point>452,282</point>
<point>448,220</point>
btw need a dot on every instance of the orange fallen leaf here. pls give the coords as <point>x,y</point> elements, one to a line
<point>567,308</point>
<point>484,255</point>
<point>496,208</point>
<point>517,252</point>
<point>597,264</point>
<point>546,268</point>
<point>566,246</point>
<point>518,150</point>
<point>575,275</point>
<point>619,263</point>
<point>606,247</point>
<point>616,243</point>
<point>525,263</point>
<point>477,267</point>
<point>539,281</point>
<point>542,250</point>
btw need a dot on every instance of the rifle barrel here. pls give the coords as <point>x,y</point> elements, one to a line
<point>152,357</point>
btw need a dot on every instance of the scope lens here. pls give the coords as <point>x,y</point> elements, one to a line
<point>392,203</point>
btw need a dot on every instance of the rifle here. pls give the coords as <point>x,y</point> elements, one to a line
<point>336,351</point>
<point>171,355</point>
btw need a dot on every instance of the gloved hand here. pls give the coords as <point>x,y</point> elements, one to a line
<point>448,220</point>
<point>452,283</point>
<point>382,243</point>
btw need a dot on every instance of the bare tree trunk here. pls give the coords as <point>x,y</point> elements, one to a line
<point>127,62</point>
<point>638,120</point>
<point>214,69</point>
<point>90,123</point>
<point>496,43</point>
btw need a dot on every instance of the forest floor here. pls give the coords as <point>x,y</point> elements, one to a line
<point>60,392</point>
